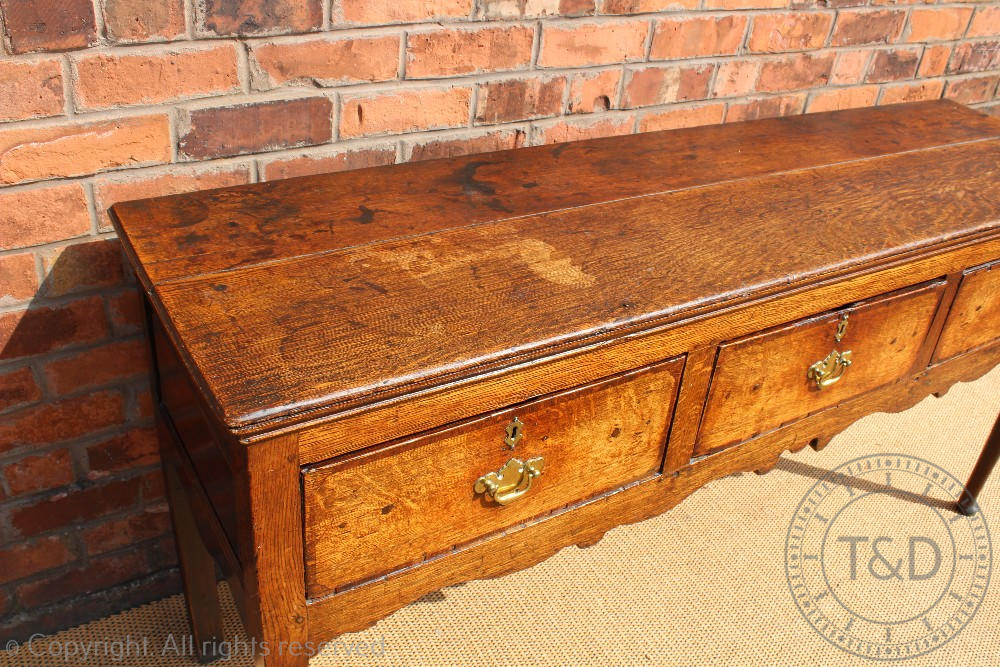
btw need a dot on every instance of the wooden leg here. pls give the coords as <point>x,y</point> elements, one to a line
<point>197,571</point>
<point>987,459</point>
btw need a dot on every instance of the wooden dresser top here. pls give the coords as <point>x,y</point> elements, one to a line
<point>322,293</point>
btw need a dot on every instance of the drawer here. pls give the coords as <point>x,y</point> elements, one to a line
<point>763,381</point>
<point>382,510</point>
<point>974,318</point>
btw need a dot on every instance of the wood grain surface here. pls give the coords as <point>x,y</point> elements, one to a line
<point>975,315</point>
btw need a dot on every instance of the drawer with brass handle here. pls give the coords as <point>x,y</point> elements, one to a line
<point>395,505</point>
<point>774,377</point>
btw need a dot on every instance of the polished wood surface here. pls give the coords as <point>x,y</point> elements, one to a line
<point>975,316</point>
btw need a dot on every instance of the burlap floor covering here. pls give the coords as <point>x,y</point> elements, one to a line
<point>703,584</point>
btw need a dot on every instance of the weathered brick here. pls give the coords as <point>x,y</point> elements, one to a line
<point>451,52</point>
<point>374,12</point>
<point>18,387</point>
<point>325,62</point>
<point>850,66</point>
<point>893,65</point>
<point>934,24</point>
<point>912,92</point>
<point>97,574</point>
<point>324,163</point>
<point>497,140</point>
<point>18,278</point>
<point>39,473</point>
<point>80,149</point>
<point>137,448</point>
<point>43,329</point>
<point>795,72</point>
<point>585,128</point>
<point>583,44</point>
<point>107,364</point>
<point>672,119</point>
<point>404,111</point>
<point>42,215</point>
<point>254,127</point>
<point>975,57</point>
<point>986,22</point>
<point>520,99</point>
<point>663,85</point>
<point>766,107</point>
<point>697,37</point>
<point>82,266</point>
<point>736,77</point>
<point>123,78</point>
<point>63,420</point>
<point>843,98</point>
<point>865,26</point>
<point>27,558</point>
<point>745,4</point>
<point>152,521</point>
<point>594,91</point>
<point>257,17</point>
<point>972,90</point>
<point>48,25</point>
<point>645,6</point>
<point>774,33</point>
<point>125,311</point>
<point>143,20</point>
<point>508,9</point>
<point>934,61</point>
<point>30,89</point>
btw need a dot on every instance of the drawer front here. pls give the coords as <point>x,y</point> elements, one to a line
<point>377,512</point>
<point>763,381</point>
<point>974,318</point>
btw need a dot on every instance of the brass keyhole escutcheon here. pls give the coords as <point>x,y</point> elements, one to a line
<point>515,431</point>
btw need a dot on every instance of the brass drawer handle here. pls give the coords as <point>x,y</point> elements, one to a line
<point>829,371</point>
<point>511,482</point>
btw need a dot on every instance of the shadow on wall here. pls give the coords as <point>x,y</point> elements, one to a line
<point>84,527</point>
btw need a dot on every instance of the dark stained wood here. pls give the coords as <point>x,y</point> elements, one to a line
<point>968,504</point>
<point>975,315</point>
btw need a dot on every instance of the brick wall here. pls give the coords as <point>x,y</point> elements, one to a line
<point>105,100</point>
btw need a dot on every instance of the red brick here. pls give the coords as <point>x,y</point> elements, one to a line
<point>374,12</point>
<point>767,107</point>
<point>114,362</point>
<point>594,91</point>
<point>152,521</point>
<point>484,143</point>
<point>39,473</point>
<point>520,99</point>
<point>48,25</point>
<point>42,215</point>
<point>109,190</point>
<point>986,22</point>
<point>135,449</point>
<point>893,65</point>
<point>672,119</point>
<point>865,26</point>
<point>507,9</point>
<point>774,33</point>
<point>404,111</point>
<point>991,110</point>
<point>736,77</point>
<point>912,92</point>
<point>80,149</point>
<point>152,485</point>
<point>257,17</point>
<point>972,90</point>
<point>28,558</point>
<point>17,387</point>
<point>63,420</point>
<point>43,329</point>
<point>795,72</point>
<point>576,130</point>
<point>125,311</point>
<point>850,66</point>
<point>583,44</point>
<point>144,404</point>
<point>663,85</point>
<point>325,62</point>
<point>30,89</point>
<point>698,36</point>
<point>745,4</point>
<point>930,25</point>
<point>18,278</point>
<point>98,574</point>
<point>143,20</point>
<point>451,52</point>
<point>82,266</point>
<point>255,127</point>
<point>645,6</point>
<point>69,507</point>
<point>934,61</point>
<point>324,163</point>
<point>975,57</point>
<point>122,78</point>
<point>843,98</point>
